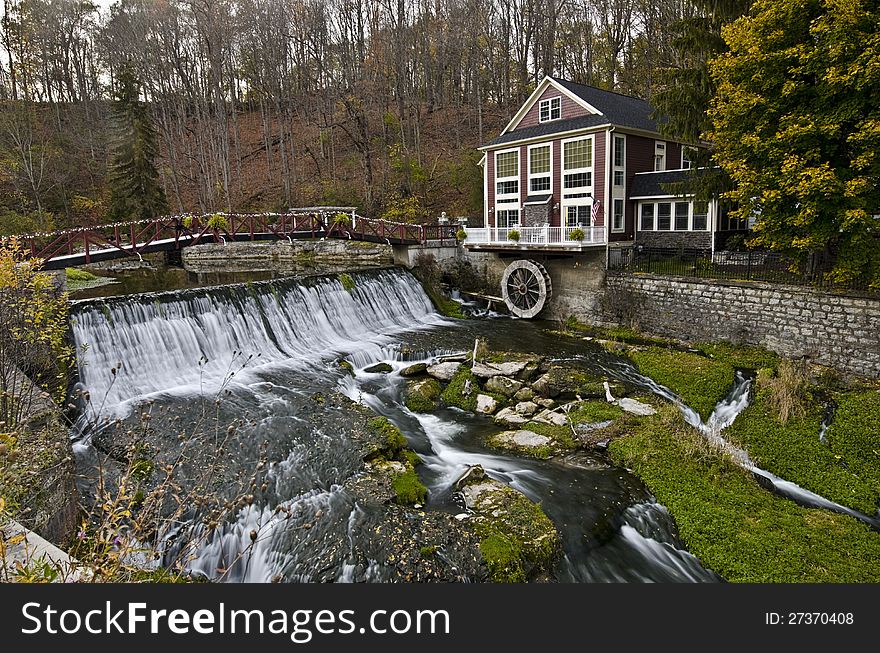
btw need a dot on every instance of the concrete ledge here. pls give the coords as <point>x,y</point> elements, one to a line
<point>24,547</point>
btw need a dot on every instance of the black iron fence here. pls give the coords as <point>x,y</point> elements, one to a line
<point>770,267</point>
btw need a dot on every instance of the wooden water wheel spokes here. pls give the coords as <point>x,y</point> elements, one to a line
<point>526,288</point>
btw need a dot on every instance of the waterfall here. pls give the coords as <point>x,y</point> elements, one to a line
<point>197,341</point>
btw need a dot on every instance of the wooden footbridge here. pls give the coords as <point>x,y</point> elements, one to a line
<point>82,245</point>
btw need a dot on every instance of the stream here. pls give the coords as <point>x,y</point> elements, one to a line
<point>268,349</point>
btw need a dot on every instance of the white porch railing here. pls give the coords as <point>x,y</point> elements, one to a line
<point>534,236</point>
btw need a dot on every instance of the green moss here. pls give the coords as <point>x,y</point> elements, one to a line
<point>75,274</point>
<point>392,441</point>
<point>427,551</point>
<point>588,412</point>
<point>503,558</point>
<point>422,397</point>
<point>614,333</point>
<point>701,382</point>
<point>411,457</point>
<point>141,469</point>
<point>444,306</point>
<point>346,281</point>
<point>517,540</point>
<point>348,367</point>
<point>750,358</point>
<point>379,368</point>
<point>734,526</point>
<point>854,437</point>
<point>454,394</point>
<point>408,489</point>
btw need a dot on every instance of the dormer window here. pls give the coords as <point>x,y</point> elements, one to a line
<point>550,109</point>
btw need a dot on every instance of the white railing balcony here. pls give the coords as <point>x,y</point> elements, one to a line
<point>535,236</point>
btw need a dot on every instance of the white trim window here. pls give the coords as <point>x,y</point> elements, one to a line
<point>670,215</point>
<point>578,215</point>
<point>619,172</point>
<point>577,168</point>
<point>659,156</point>
<point>646,219</point>
<point>540,169</point>
<point>688,156</point>
<point>507,177</point>
<point>550,109</point>
<point>618,217</point>
<point>700,216</point>
<point>507,218</point>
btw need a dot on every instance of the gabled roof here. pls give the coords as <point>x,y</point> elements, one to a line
<point>603,107</point>
<point>620,110</point>
<point>547,128</point>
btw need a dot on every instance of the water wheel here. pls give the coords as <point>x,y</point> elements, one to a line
<point>526,288</point>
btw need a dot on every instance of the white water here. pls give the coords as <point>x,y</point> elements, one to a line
<point>197,342</point>
<point>723,416</point>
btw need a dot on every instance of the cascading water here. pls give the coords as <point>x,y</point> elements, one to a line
<point>272,347</point>
<point>723,416</point>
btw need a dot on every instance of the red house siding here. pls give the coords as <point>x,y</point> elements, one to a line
<point>639,158</point>
<point>599,177</point>
<point>490,187</point>
<point>673,155</point>
<point>569,108</point>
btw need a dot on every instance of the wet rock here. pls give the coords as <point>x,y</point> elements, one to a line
<point>443,371</point>
<point>422,396</point>
<point>545,403</point>
<point>529,372</point>
<point>568,383</point>
<point>545,387</point>
<point>504,386</point>
<point>524,394</point>
<point>636,407</point>
<point>489,370</point>
<point>550,417</point>
<point>486,404</point>
<point>521,439</point>
<point>526,408</point>
<point>509,417</point>
<point>473,474</point>
<point>378,368</point>
<point>414,370</point>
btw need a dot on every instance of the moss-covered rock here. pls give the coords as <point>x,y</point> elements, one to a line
<point>568,383</point>
<point>462,390</point>
<point>414,370</point>
<point>387,442</point>
<point>408,488</point>
<point>518,541</point>
<point>529,443</point>
<point>379,368</point>
<point>423,396</point>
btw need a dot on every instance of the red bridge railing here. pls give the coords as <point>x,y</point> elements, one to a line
<point>174,232</point>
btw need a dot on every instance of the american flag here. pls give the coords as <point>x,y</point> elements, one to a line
<point>597,210</point>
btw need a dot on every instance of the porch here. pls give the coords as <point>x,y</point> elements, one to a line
<point>544,237</point>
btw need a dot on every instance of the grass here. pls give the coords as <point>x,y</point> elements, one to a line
<point>743,532</point>
<point>700,382</point>
<point>744,357</point>
<point>854,435</point>
<point>77,275</point>
<point>614,333</point>
<point>794,452</point>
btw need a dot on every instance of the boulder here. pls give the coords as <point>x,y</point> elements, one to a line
<point>488,370</point>
<point>378,368</point>
<point>549,417</point>
<point>443,371</point>
<point>414,370</point>
<point>472,474</point>
<point>509,417</point>
<point>545,387</point>
<point>486,404</point>
<point>526,408</point>
<point>504,386</point>
<point>635,407</point>
<point>524,394</point>
<point>522,439</point>
<point>421,396</point>
<point>545,403</point>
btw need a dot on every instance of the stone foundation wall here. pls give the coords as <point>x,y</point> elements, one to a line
<point>839,331</point>
<point>327,252</point>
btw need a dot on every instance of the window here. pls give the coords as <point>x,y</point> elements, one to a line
<point>507,164</point>
<point>508,187</point>
<point>577,216</point>
<point>664,216</point>
<point>617,222</point>
<point>647,223</point>
<point>550,109</point>
<point>577,163</point>
<point>507,219</point>
<point>618,177</point>
<point>701,216</point>
<point>659,155</point>
<point>619,151</point>
<point>539,169</point>
<point>682,213</point>
<point>687,156</point>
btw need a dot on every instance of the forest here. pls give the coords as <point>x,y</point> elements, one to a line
<point>266,104</point>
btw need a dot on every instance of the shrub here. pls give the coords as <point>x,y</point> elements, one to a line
<point>342,219</point>
<point>513,235</point>
<point>576,234</point>
<point>461,235</point>
<point>188,221</point>
<point>218,222</point>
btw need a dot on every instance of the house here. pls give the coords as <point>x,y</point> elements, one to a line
<point>578,167</point>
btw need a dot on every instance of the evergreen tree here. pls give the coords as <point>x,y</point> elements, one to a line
<point>796,124</point>
<point>686,87</point>
<point>135,190</point>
